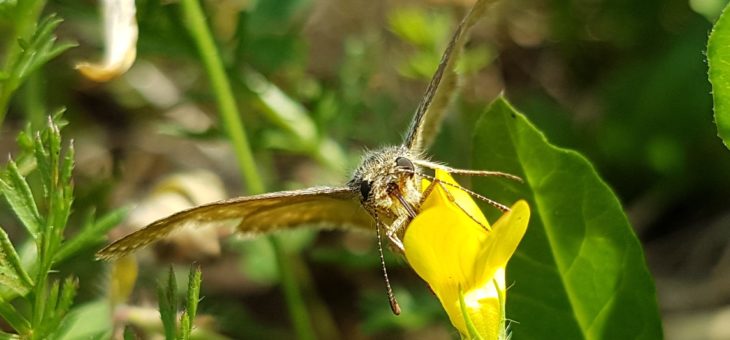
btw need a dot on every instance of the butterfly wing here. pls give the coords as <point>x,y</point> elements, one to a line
<point>258,214</point>
<point>431,110</point>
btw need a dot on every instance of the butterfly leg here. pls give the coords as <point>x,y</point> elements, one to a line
<point>429,190</point>
<point>392,232</point>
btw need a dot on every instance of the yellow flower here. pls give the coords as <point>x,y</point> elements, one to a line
<point>460,259</point>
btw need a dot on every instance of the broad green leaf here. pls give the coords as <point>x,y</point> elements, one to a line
<point>718,60</point>
<point>12,274</point>
<point>580,272</point>
<point>88,321</point>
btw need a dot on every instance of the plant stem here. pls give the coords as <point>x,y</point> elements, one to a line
<point>294,299</point>
<point>194,20</point>
<point>32,99</point>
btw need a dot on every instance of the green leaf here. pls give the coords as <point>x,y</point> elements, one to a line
<point>48,325</point>
<point>28,56</point>
<point>13,318</point>
<point>92,232</point>
<point>58,49</point>
<point>188,316</point>
<point>7,8</point>
<point>504,333</point>
<point>68,292</point>
<point>41,48</point>
<point>58,304</point>
<point>167,296</point>
<point>129,333</point>
<point>12,274</point>
<point>67,166</point>
<point>301,133</point>
<point>8,336</point>
<point>42,162</point>
<point>580,272</point>
<point>18,195</point>
<point>473,333</point>
<point>718,60</point>
<point>51,138</point>
<point>88,321</point>
<point>419,27</point>
<point>23,44</point>
<point>185,326</point>
<point>194,282</point>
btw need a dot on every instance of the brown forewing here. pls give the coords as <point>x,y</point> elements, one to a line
<point>333,207</point>
<point>432,108</point>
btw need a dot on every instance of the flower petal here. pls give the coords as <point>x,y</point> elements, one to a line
<point>485,307</point>
<point>442,241</point>
<point>460,259</point>
<point>120,37</point>
<point>503,240</point>
<point>461,197</point>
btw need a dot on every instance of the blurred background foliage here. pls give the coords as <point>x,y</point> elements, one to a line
<point>624,82</point>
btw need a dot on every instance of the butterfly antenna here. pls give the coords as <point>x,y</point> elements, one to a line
<point>391,297</point>
<point>467,172</point>
<point>491,202</point>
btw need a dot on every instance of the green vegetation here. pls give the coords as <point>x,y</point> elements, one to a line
<point>718,58</point>
<point>36,303</point>
<point>167,297</point>
<point>627,230</point>
<point>591,269</point>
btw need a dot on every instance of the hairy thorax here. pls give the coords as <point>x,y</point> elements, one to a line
<point>388,187</point>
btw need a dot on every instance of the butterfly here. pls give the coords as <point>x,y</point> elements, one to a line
<point>384,193</point>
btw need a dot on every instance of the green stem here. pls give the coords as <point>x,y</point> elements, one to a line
<point>32,99</point>
<point>195,22</point>
<point>295,302</point>
<point>44,267</point>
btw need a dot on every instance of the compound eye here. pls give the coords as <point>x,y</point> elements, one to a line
<point>365,187</point>
<point>404,163</point>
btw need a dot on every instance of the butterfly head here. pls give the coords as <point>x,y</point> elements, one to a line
<point>384,177</point>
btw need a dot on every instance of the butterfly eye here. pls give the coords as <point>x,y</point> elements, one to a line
<point>404,163</point>
<point>365,187</point>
